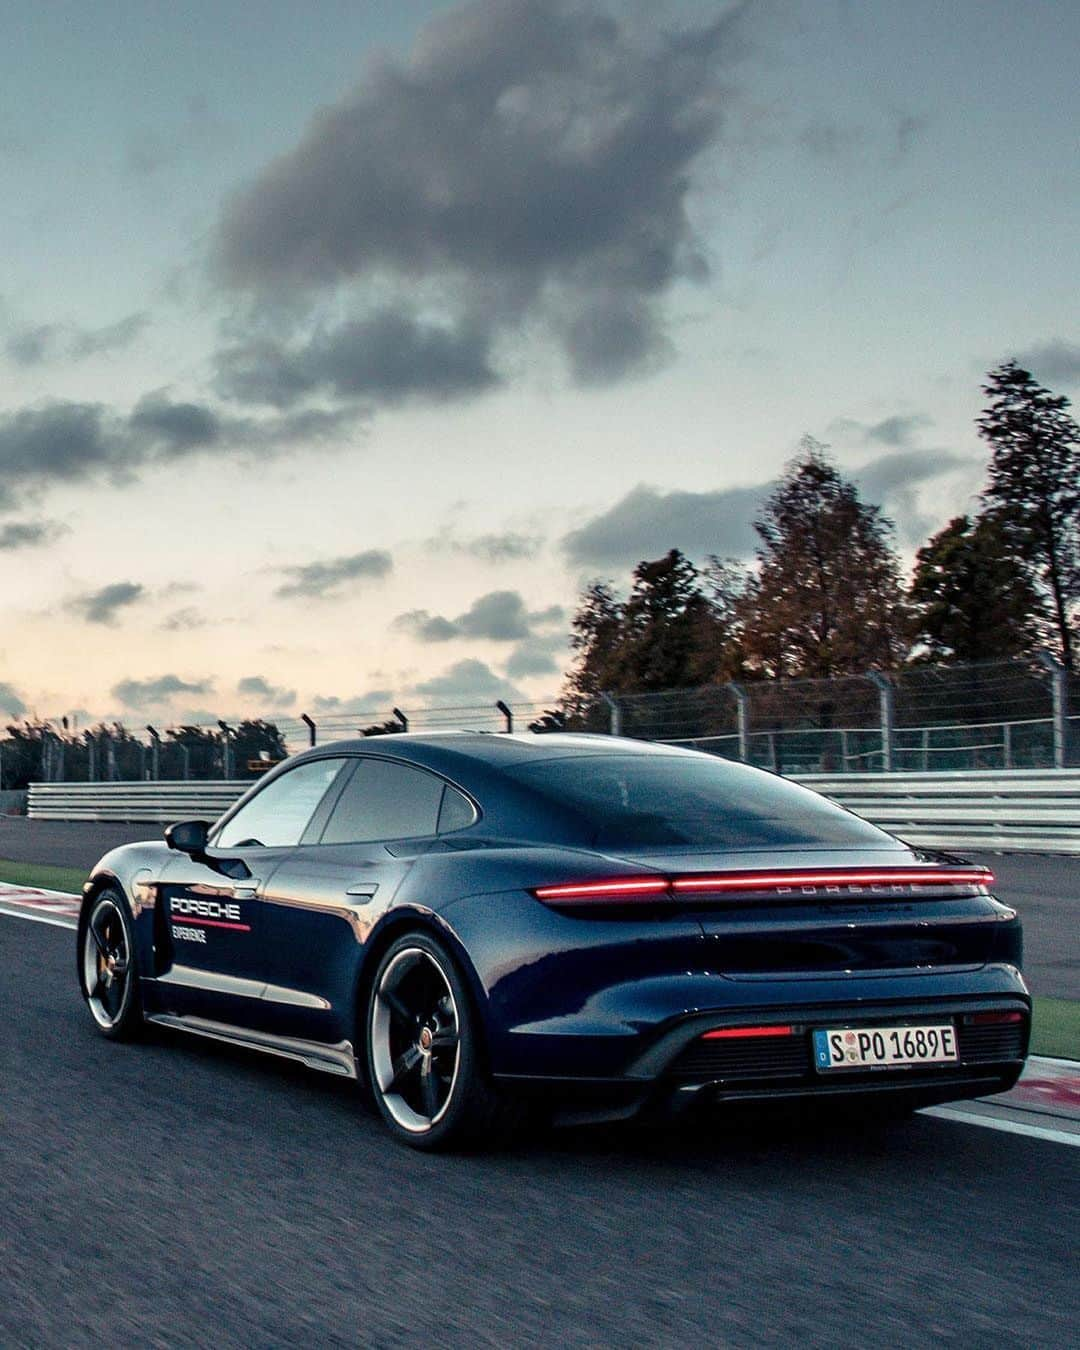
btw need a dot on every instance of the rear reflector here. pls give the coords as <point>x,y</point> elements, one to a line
<point>623,888</point>
<point>746,1033</point>
<point>992,1018</point>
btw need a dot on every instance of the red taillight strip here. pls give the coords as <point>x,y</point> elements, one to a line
<point>773,881</point>
<point>627,888</point>
<point>746,1033</point>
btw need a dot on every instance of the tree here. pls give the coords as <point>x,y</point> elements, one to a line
<point>667,634</point>
<point>1034,490</point>
<point>971,596</point>
<point>827,598</point>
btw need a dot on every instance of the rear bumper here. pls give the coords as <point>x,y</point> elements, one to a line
<point>677,1069</point>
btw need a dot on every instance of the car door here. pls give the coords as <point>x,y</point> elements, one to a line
<point>321,903</point>
<point>210,958</point>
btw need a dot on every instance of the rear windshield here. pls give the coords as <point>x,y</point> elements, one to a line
<point>633,801</point>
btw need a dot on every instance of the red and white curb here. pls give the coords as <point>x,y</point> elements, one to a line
<point>40,906</point>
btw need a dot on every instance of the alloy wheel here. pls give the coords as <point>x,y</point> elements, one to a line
<point>107,972</point>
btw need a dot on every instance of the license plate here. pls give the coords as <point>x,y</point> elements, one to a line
<point>883,1047</point>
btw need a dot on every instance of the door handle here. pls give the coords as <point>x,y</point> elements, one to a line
<point>363,890</point>
<point>246,889</point>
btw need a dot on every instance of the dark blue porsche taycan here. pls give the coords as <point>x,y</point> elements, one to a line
<point>474,924</point>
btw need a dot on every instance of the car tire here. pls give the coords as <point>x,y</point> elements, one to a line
<point>108,974</point>
<point>424,1055</point>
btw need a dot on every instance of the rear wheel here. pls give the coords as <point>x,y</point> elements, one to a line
<point>423,1054</point>
<point>107,974</point>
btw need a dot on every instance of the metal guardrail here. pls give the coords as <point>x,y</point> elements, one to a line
<point>161,802</point>
<point>1034,810</point>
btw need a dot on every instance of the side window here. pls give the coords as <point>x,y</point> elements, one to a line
<point>279,814</point>
<point>385,800</point>
<point>457,812</point>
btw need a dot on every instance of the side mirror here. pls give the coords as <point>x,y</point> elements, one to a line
<point>189,836</point>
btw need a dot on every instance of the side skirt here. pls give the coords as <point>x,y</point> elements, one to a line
<point>336,1059</point>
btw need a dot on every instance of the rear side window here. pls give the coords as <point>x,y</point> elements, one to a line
<point>385,800</point>
<point>279,814</point>
<point>669,801</point>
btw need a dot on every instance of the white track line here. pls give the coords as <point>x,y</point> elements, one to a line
<point>38,916</point>
<point>1006,1126</point>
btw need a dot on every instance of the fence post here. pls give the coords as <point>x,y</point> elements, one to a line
<point>504,708</point>
<point>401,718</point>
<point>91,756</point>
<point>887,703</point>
<point>1057,695</point>
<point>110,759</point>
<point>615,723</point>
<point>310,727</point>
<point>226,750</point>
<point>742,713</point>
<point>155,753</point>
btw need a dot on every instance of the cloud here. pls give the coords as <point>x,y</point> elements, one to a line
<point>536,656</point>
<point>375,701</point>
<point>469,681</point>
<point>898,431</point>
<point>183,621</point>
<point>59,441</point>
<point>254,686</point>
<point>647,522</point>
<point>104,605</point>
<point>28,534</point>
<point>323,579</point>
<point>530,160</point>
<point>36,344</point>
<point>895,482</point>
<point>388,356</point>
<point>499,616</point>
<point>10,702</point>
<point>147,693</point>
<point>509,546</point>
<point>1055,362</point>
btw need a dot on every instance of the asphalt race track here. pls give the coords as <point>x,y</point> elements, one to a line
<point>178,1193</point>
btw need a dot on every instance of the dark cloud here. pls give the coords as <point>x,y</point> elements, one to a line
<point>255,687</point>
<point>323,579</point>
<point>529,159</point>
<point>388,356</point>
<point>509,546</point>
<point>536,656</point>
<point>468,682</point>
<point>646,523</point>
<point>147,693</point>
<point>36,344</point>
<point>1053,362</point>
<point>104,605</point>
<point>10,702</point>
<point>28,534</point>
<point>499,616</point>
<point>64,442</point>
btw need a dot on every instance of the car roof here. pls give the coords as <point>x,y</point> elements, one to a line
<point>436,749</point>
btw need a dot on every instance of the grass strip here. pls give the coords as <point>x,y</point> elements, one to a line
<point>1055,1028</point>
<point>41,874</point>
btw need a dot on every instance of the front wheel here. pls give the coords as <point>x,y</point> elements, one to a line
<point>423,1053</point>
<point>107,973</point>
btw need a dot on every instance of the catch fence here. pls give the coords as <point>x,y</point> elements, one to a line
<point>932,718</point>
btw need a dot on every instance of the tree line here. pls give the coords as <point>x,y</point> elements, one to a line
<point>826,595</point>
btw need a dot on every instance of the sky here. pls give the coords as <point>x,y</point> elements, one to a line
<point>341,344</point>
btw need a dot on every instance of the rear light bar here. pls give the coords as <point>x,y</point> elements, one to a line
<point>983,1019</point>
<point>778,882</point>
<point>746,1033</point>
